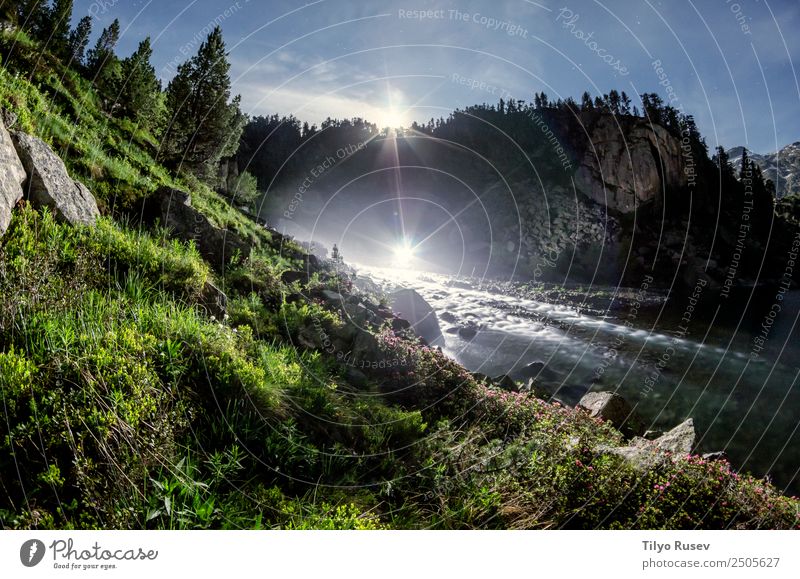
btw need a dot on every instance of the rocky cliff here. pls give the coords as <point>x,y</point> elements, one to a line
<point>628,163</point>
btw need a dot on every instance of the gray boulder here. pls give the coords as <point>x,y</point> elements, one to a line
<point>645,454</point>
<point>411,306</point>
<point>612,408</point>
<point>680,440</point>
<point>506,383</point>
<point>50,185</point>
<point>12,176</point>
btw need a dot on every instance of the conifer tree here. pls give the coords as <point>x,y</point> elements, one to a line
<point>78,41</point>
<point>103,66</point>
<point>204,127</point>
<point>58,23</point>
<point>140,96</point>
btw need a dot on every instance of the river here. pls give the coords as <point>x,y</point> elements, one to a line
<point>671,362</point>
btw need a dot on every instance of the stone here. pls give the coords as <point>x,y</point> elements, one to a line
<point>356,313</point>
<point>12,176</point>
<point>626,167</point>
<point>49,183</point>
<point>291,276</point>
<point>447,317</point>
<point>408,304</point>
<point>642,457</point>
<point>468,332</point>
<point>506,383</point>
<point>652,434</point>
<point>8,118</point>
<point>355,377</point>
<point>645,454</point>
<point>612,408</point>
<point>399,324</point>
<point>680,440</point>
<point>174,210</point>
<point>531,387</point>
<point>332,297</point>
<point>366,348</point>
<point>480,377</point>
<point>532,370</point>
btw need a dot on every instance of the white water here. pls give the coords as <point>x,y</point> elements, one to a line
<point>746,406</point>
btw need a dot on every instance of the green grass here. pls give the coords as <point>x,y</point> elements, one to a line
<point>59,106</point>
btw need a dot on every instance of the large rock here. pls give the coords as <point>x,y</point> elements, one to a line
<point>612,408</point>
<point>680,440</point>
<point>217,246</point>
<point>411,306</point>
<point>12,176</point>
<point>626,167</point>
<point>645,454</point>
<point>49,183</point>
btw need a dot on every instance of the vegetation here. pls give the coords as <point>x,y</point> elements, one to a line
<point>128,403</point>
<point>203,127</point>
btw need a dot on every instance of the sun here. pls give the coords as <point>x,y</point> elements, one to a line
<point>391,118</point>
<point>403,255</point>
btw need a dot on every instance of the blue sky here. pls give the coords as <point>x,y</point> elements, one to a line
<point>730,63</point>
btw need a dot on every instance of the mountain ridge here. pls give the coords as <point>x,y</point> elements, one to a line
<point>781,166</point>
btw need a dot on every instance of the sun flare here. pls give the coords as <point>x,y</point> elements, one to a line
<point>391,118</point>
<point>403,255</point>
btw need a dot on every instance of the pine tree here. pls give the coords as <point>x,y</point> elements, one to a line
<point>626,104</point>
<point>59,17</point>
<point>613,100</point>
<point>653,107</point>
<point>204,126</point>
<point>104,67</point>
<point>745,170</point>
<point>78,40</point>
<point>723,164</point>
<point>140,95</point>
<point>102,54</point>
<point>586,102</point>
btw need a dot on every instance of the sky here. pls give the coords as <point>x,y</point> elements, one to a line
<point>729,63</point>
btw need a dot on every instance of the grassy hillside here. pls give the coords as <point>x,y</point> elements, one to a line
<point>126,404</point>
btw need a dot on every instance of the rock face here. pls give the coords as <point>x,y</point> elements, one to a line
<point>49,183</point>
<point>624,169</point>
<point>12,176</point>
<point>612,408</point>
<point>409,305</point>
<point>175,211</point>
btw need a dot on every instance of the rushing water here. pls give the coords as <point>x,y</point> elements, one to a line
<point>672,363</point>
